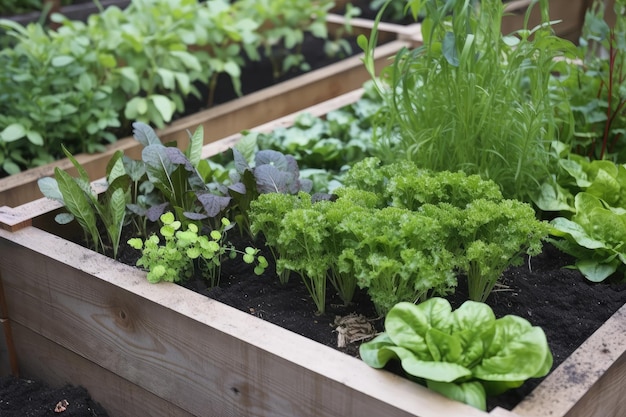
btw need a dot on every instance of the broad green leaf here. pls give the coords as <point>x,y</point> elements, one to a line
<point>167,78</point>
<point>13,132</point>
<point>432,370</point>
<point>115,167</point>
<point>34,137</point>
<point>78,204</point>
<point>553,198</point>
<point>232,69</point>
<point>136,107</point>
<point>563,227</point>
<point>518,351</point>
<point>196,142</point>
<point>596,271</point>
<point>130,80</point>
<point>164,105</point>
<point>10,167</point>
<point>50,188</point>
<point>407,324</point>
<point>471,393</point>
<point>605,186</point>
<point>62,60</point>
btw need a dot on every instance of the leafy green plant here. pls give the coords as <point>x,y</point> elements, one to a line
<point>11,7</point>
<point>51,93</point>
<point>485,232</point>
<point>285,27</point>
<point>465,354</point>
<point>396,255</point>
<point>588,199</point>
<point>265,215</point>
<point>141,63</point>
<point>173,260</point>
<point>447,99</point>
<point>85,205</point>
<point>401,233</point>
<point>596,86</point>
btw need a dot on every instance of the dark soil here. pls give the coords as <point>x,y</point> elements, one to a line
<point>28,398</point>
<point>559,300</point>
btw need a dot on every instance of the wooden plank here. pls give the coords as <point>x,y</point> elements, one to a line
<point>591,382</point>
<point>199,354</point>
<point>49,362</point>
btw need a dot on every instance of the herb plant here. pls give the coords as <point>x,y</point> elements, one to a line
<point>465,354</point>
<point>173,259</point>
<point>448,98</point>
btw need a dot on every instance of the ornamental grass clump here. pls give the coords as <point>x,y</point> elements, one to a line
<point>471,99</point>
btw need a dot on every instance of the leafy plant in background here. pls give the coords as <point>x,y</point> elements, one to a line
<point>286,27</point>
<point>465,354</point>
<point>51,79</point>
<point>140,63</point>
<point>323,147</point>
<point>12,7</point>
<point>596,86</point>
<point>588,200</point>
<point>447,99</point>
<point>173,259</point>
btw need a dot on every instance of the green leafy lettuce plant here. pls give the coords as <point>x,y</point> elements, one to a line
<point>486,232</point>
<point>447,99</point>
<point>465,354</point>
<point>588,202</point>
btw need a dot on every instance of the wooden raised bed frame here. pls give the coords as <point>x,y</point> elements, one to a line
<point>73,315</point>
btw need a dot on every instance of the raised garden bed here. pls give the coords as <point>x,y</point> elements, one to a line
<point>162,349</point>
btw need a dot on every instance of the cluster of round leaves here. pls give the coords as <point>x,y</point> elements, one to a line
<point>173,259</point>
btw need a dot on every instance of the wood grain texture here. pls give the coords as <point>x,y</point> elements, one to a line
<point>194,352</point>
<point>47,361</point>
